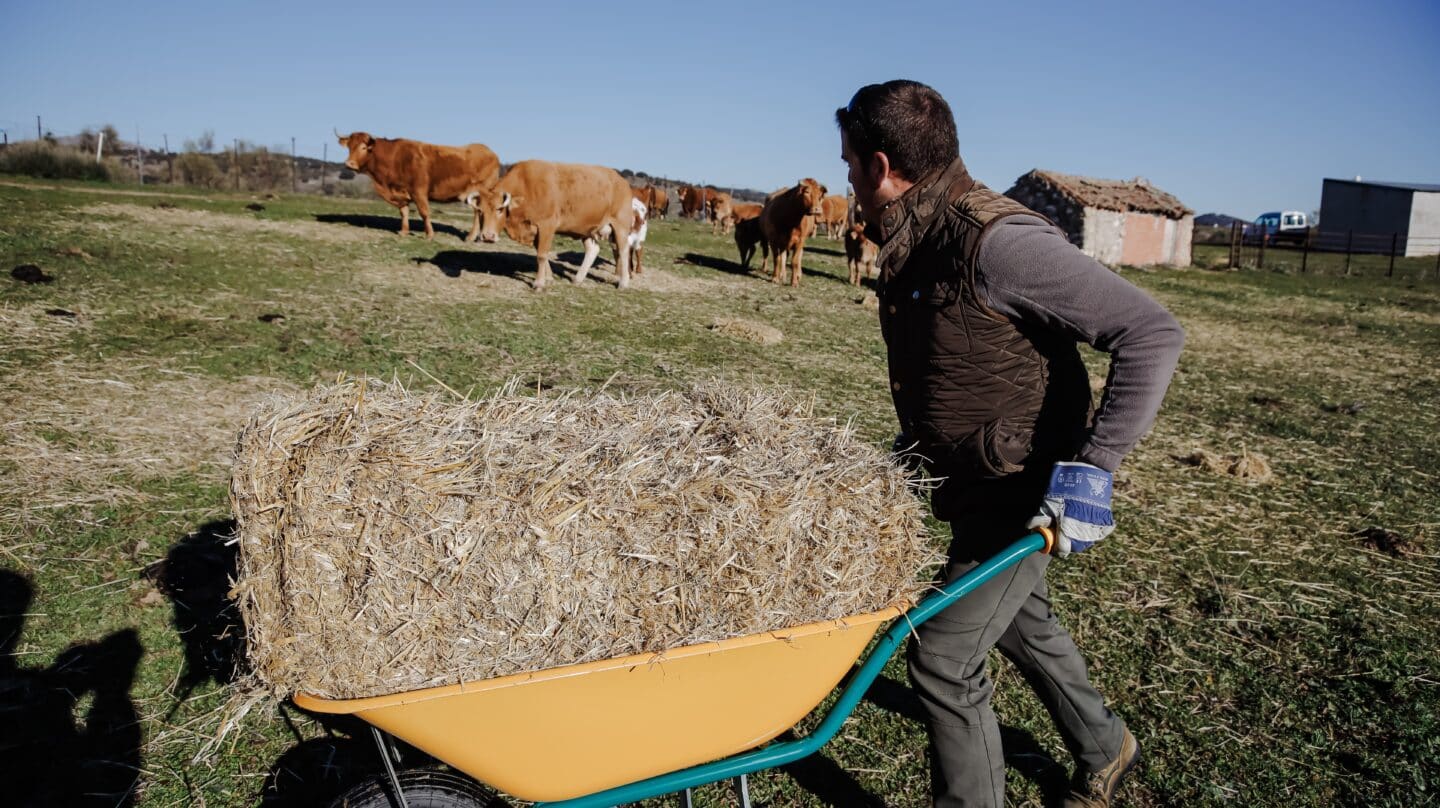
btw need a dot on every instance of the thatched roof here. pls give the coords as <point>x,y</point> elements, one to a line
<point>1123,195</point>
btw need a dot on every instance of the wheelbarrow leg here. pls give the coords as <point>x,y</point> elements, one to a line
<point>742,790</point>
<point>386,750</point>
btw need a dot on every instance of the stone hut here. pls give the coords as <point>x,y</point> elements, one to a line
<point>1114,221</point>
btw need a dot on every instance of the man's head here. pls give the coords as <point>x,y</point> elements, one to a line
<point>893,135</point>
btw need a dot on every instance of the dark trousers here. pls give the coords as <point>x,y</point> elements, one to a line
<point>947,657</point>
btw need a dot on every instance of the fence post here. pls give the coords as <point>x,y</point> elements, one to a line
<point>294,182</point>
<point>324,162</point>
<point>1260,256</point>
<point>139,157</point>
<point>1305,251</point>
<point>235,162</point>
<point>1394,240</point>
<point>1349,240</point>
<point>1234,262</point>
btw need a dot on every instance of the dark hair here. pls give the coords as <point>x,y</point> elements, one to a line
<point>906,120</point>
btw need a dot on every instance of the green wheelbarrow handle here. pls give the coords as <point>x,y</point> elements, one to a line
<point>779,754</point>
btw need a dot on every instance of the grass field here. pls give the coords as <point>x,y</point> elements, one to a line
<point>1270,641</point>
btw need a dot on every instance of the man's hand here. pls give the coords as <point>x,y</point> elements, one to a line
<point>1077,507</point>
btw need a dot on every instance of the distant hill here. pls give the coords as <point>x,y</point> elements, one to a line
<point>1216,220</point>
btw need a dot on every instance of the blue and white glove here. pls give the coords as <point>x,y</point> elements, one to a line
<point>1076,507</point>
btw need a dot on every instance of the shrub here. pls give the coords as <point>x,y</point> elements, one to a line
<point>44,159</point>
<point>193,168</point>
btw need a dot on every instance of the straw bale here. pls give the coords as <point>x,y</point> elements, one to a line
<point>391,541</point>
<point>747,330</point>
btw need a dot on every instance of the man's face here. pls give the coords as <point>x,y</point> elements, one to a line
<point>861,179</point>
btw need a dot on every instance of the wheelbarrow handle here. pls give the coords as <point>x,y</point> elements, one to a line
<point>784,752</point>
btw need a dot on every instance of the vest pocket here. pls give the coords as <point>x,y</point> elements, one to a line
<point>1004,447</point>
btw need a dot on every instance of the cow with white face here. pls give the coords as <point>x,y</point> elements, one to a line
<point>537,199</point>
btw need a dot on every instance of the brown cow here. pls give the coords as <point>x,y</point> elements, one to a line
<point>406,171</point>
<point>860,254</point>
<point>739,212</point>
<point>718,208</point>
<point>659,204</point>
<point>695,201</point>
<point>537,199</point>
<point>833,213</point>
<point>747,236</point>
<point>787,219</point>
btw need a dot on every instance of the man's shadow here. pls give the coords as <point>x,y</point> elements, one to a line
<point>53,758</point>
<point>390,224</point>
<point>196,575</point>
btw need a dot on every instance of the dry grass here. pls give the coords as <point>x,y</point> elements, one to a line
<point>747,330</point>
<point>393,541</point>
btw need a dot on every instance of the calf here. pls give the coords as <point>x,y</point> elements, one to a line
<point>787,219</point>
<point>747,236</point>
<point>406,171</point>
<point>860,254</point>
<point>833,213</point>
<point>537,199</point>
<point>636,240</point>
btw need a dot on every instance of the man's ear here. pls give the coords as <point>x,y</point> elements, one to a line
<point>879,168</point>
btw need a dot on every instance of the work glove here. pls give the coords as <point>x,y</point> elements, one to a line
<point>1076,507</point>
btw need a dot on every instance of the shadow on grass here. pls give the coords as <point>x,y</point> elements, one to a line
<point>721,264</point>
<point>390,224</point>
<point>55,759</point>
<point>455,262</point>
<point>195,575</point>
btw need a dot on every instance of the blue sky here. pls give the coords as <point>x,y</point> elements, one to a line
<point>1233,107</point>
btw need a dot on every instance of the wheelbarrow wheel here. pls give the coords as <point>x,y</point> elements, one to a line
<point>423,788</point>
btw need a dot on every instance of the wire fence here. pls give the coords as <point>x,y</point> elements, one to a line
<point>1335,252</point>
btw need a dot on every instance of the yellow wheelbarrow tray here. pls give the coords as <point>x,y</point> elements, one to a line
<point>620,730</point>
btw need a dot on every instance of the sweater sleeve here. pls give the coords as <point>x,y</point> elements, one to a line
<point>1028,271</point>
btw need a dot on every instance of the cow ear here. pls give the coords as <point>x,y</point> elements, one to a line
<point>369,140</point>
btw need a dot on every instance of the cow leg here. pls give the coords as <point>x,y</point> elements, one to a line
<point>635,256</point>
<point>422,204</point>
<point>622,252</point>
<point>777,258</point>
<point>475,228</point>
<point>543,242</point>
<point>795,264</point>
<point>592,250</point>
<point>404,218</point>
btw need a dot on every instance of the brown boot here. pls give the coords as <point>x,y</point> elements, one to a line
<point>1097,789</point>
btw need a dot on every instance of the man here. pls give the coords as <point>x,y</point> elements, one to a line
<point>982,306</point>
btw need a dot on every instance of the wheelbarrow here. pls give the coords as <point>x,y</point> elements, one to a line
<point>606,733</point>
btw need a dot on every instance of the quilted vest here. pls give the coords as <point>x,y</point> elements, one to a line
<point>983,397</point>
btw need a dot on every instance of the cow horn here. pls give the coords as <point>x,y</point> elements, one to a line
<point>337,132</point>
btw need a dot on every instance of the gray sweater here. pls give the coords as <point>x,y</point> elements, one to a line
<point>1029,271</point>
